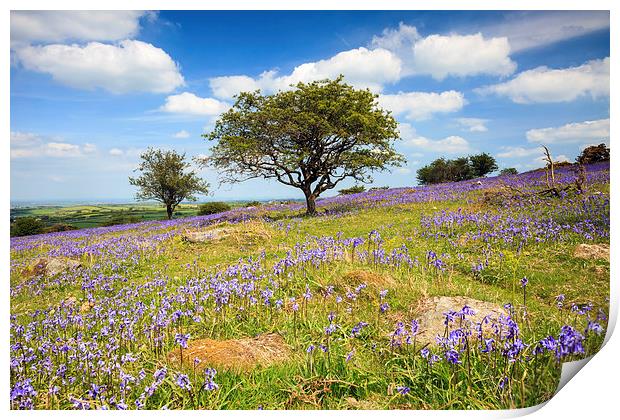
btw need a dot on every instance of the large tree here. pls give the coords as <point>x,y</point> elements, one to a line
<point>311,137</point>
<point>165,178</point>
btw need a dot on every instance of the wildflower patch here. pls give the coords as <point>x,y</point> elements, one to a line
<point>236,354</point>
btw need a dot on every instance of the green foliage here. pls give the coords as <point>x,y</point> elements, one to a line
<point>213,207</point>
<point>165,178</point>
<point>59,227</point>
<point>459,169</point>
<point>593,154</point>
<point>120,220</point>
<point>508,171</point>
<point>310,138</point>
<point>23,226</point>
<point>356,189</point>
<point>253,204</point>
<point>482,164</point>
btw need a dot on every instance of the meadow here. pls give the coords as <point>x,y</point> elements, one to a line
<point>88,216</point>
<point>275,310</point>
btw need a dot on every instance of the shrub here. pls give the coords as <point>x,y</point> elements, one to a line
<point>213,207</point>
<point>120,220</point>
<point>253,204</point>
<point>508,171</point>
<point>459,169</point>
<point>352,190</point>
<point>23,226</point>
<point>59,227</point>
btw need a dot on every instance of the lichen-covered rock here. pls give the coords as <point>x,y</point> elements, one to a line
<point>431,318</point>
<point>52,266</point>
<point>202,236</point>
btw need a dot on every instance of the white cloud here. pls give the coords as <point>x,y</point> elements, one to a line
<point>542,160</point>
<point>447,55</point>
<point>462,55</point>
<point>526,30</point>
<point>29,26</point>
<point>421,105</point>
<point>580,132</point>
<point>190,104</point>
<point>543,84</point>
<point>229,86</point>
<point>403,170</point>
<point>129,66</point>
<point>62,150</point>
<point>473,124</point>
<point>362,68</point>
<point>397,40</point>
<point>449,145</point>
<point>519,152</point>
<point>395,54</point>
<point>89,148</point>
<point>20,139</point>
<point>29,145</point>
<point>116,152</point>
<point>183,134</point>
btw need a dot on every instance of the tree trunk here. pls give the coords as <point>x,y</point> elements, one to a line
<point>169,211</point>
<point>310,204</point>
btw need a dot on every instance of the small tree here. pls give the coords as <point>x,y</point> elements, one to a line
<point>311,138</point>
<point>164,178</point>
<point>482,164</point>
<point>593,154</point>
<point>23,226</point>
<point>509,171</point>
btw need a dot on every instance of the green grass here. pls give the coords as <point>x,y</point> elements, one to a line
<point>370,378</point>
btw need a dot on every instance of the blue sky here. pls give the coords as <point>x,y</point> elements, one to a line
<point>91,90</point>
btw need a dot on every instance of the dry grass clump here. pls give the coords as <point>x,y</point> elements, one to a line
<point>592,251</point>
<point>372,279</point>
<point>237,354</point>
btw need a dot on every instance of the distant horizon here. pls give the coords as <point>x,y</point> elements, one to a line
<point>93,201</point>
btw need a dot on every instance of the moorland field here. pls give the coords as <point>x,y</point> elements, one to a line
<point>263,307</point>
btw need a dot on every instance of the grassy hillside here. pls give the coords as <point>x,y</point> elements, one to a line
<point>342,293</point>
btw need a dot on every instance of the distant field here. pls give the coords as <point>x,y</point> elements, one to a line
<point>86,216</point>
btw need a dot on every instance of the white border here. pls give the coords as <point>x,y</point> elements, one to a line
<point>592,394</point>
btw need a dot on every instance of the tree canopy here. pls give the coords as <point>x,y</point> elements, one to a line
<point>23,226</point>
<point>459,169</point>
<point>593,154</point>
<point>165,178</point>
<point>509,171</point>
<point>311,138</point>
<point>482,164</point>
